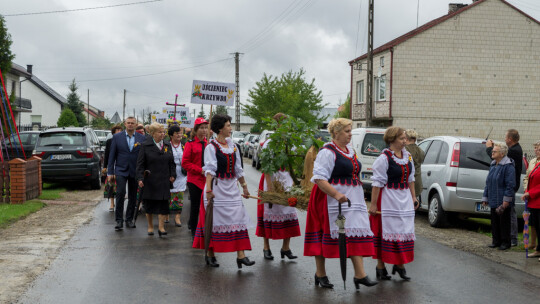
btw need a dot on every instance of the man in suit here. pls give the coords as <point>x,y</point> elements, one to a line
<point>122,167</point>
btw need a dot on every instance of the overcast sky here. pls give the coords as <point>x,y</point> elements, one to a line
<point>154,50</point>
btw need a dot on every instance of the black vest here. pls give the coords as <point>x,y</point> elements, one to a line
<point>346,170</point>
<point>225,163</point>
<point>398,175</point>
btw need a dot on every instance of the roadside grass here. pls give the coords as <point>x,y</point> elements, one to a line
<point>484,227</point>
<point>10,213</point>
<point>51,191</point>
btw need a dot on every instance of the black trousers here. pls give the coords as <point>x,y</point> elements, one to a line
<point>195,198</point>
<point>535,219</point>
<point>121,182</point>
<point>500,227</point>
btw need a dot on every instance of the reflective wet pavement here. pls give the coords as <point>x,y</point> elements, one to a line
<point>99,265</point>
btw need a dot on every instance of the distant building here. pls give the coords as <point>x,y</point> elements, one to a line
<point>460,74</point>
<point>93,113</point>
<point>116,118</point>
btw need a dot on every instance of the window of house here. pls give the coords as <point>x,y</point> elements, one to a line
<point>13,87</point>
<point>382,61</point>
<point>360,92</point>
<point>380,88</point>
<point>36,119</point>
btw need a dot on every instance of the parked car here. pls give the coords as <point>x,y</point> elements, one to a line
<point>247,143</point>
<point>454,175</point>
<point>238,136</point>
<point>70,154</point>
<point>368,143</point>
<point>259,142</point>
<point>28,139</point>
<point>102,136</point>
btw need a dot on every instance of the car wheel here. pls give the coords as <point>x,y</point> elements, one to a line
<point>253,162</point>
<point>258,166</point>
<point>95,183</point>
<point>436,214</point>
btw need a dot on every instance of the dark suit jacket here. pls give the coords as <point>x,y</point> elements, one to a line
<point>122,161</point>
<point>161,165</point>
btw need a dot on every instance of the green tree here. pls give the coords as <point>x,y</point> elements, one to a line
<point>201,113</point>
<point>6,57</point>
<point>101,123</point>
<point>67,119</point>
<point>75,105</point>
<point>344,109</point>
<point>220,110</point>
<point>290,94</point>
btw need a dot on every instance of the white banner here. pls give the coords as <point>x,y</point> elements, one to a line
<point>213,93</point>
<point>182,116</point>
<point>160,118</point>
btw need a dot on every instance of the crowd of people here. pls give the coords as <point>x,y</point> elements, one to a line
<point>159,170</point>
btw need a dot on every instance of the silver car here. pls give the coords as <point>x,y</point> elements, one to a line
<point>454,175</point>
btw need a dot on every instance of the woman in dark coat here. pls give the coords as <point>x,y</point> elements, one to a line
<point>110,186</point>
<point>156,159</point>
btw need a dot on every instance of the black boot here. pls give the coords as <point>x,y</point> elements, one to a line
<point>211,261</point>
<point>268,254</point>
<point>287,253</point>
<point>382,274</point>
<point>244,261</point>
<point>323,281</point>
<point>402,272</point>
<point>364,281</point>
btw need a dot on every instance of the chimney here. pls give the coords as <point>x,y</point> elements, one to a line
<point>29,68</point>
<point>454,7</point>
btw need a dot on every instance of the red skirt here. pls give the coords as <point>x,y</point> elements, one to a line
<point>220,242</point>
<point>274,230</point>
<point>317,239</point>
<point>396,253</point>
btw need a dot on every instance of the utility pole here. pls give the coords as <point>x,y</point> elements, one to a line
<point>237,78</point>
<point>124,107</point>
<point>369,82</point>
<point>88,112</point>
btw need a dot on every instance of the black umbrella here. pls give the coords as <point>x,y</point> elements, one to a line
<point>340,222</point>
<point>209,221</point>
<point>139,196</point>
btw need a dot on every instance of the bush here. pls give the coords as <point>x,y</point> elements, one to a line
<point>67,119</point>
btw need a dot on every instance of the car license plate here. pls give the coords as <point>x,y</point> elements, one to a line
<point>60,156</point>
<point>366,175</point>
<point>482,208</point>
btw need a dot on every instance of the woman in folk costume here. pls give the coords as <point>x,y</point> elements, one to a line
<point>230,218</point>
<point>274,221</point>
<point>176,202</point>
<point>393,194</point>
<point>335,174</point>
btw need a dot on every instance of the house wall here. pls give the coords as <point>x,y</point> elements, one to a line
<point>9,80</point>
<point>42,104</point>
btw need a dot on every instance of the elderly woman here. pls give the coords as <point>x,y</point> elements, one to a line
<point>110,186</point>
<point>179,186</point>
<point>418,158</point>
<point>230,219</point>
<point>156,171</point>
<point>531,184</point>
<point>393,194</point>
<point>336,177</point>
<point>193,161</point>
<point>499,194</point>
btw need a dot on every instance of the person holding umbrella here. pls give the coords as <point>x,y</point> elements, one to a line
<point>230,220</point>
<point>394,195</point>
<point>336,177</point>
<point>156,157</point>
<point>193,161</point>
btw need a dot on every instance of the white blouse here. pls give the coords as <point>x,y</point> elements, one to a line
<point>380,167</point>
<point>210,160</point>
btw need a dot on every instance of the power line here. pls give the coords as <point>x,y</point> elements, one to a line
<point>80,9</point>
<point>144,75</point>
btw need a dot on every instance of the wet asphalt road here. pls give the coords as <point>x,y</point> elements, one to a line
<point>100,265</point>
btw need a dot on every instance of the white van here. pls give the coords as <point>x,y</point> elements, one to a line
<point>368,143</point>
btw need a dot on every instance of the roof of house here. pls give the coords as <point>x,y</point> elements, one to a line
<point>40,84</point>
<point>19,70</point>
<point>431,24</point>
<point>116,118</point>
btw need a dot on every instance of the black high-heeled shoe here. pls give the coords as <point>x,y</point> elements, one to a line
<point>382,274</point>
<point>211,261</point>
<point>364,281</point>
<point>402,272</point>
<point>323,281</point>
<point>287,253</point>
<point>244,261</point>
<point>150,232</point>
<point>268,254</point>
<point>161,233</point>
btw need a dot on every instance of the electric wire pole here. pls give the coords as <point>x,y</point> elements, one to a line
<point>88,106</point>
<point>369,82</point>
<point>237,79</point>
<point>124,107</point>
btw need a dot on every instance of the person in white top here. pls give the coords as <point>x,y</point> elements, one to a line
<point>179,186</point>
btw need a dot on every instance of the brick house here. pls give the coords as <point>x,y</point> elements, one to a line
<point>460,74</point>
